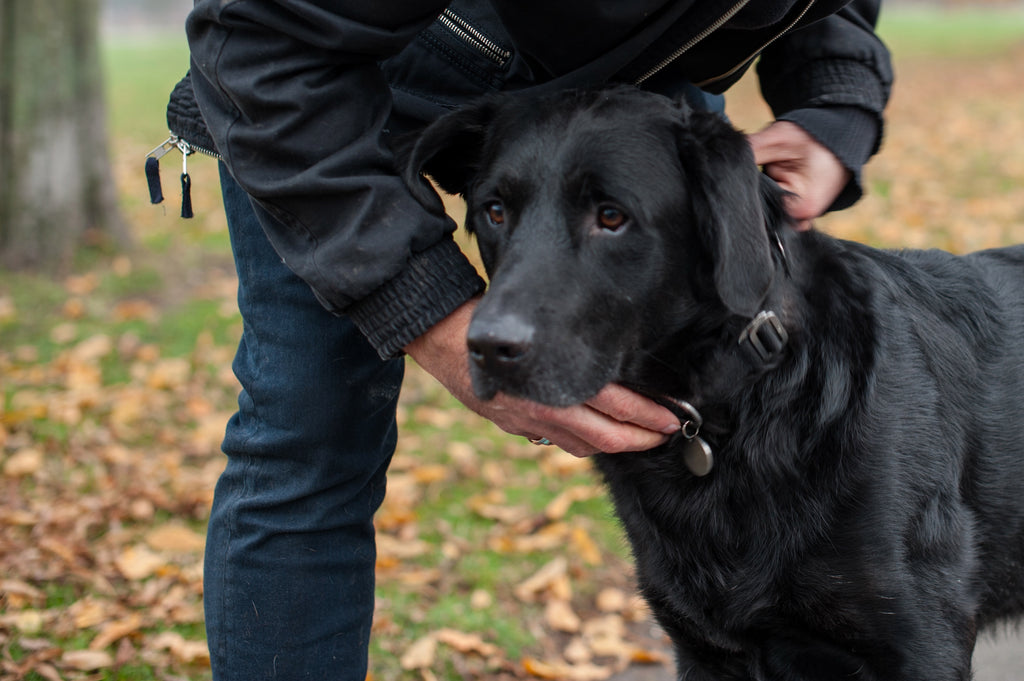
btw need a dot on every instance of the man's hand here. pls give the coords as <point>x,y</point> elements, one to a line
<point>801,165</point>
<point>614,420</point>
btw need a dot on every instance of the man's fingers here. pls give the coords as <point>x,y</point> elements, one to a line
<point>625,406</point>
<point>584,429</point>
<point>775,144</point>
<point>593,432</point>
<point>801,165</point>
<point>615,420</point>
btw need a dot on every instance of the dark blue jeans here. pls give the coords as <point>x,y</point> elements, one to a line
<point>289,574</point>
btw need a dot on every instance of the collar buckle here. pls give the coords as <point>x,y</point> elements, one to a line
<point>764,338</point>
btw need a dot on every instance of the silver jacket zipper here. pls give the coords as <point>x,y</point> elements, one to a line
<point>186,148</point>
<point>708,31</point>
<point>156,194</point>
<point>687,46</point>
<point>778,35</point>
<point>474,38</point>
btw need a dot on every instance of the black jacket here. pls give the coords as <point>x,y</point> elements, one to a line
<point>301,98</point>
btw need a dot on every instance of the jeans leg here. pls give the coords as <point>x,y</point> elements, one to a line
<point>289,572</point>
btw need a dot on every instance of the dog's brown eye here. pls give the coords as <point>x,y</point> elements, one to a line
<point>496,213</point>
<point>610,218</point>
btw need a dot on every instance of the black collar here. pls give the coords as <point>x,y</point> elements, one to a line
<point>762,343</point>
<point>764,338</point>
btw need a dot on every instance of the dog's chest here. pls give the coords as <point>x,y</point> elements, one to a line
<point>709,550</point>
<point>709,531</point>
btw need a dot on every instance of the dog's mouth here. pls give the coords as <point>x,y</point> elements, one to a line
<point>510,356</point>
<point>545,387</point>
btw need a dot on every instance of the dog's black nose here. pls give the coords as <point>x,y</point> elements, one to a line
<point>499,342</point>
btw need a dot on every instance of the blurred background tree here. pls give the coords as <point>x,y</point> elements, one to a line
<point>56,184</point>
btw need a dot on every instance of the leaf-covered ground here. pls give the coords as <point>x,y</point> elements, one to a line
<point>498,560</point>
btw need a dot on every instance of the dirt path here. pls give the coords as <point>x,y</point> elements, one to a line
<point>998,657</point>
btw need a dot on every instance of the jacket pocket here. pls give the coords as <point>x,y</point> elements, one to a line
<point>463,54</point>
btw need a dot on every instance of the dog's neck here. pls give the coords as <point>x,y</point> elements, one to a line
<point>716,344</point>
<point>701,380</point>
<point>706,408</point>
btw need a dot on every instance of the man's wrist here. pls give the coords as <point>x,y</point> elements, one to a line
<point>851,133</point>
<point>434,284</point>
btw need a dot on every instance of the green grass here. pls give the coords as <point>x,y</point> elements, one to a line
<point>139,81</point>
<point>923,31</point>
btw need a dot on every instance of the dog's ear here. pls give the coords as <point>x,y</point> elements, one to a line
<point>448,150</point>
<point>726,188</point>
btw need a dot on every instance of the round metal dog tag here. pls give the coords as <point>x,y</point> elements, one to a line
<point>697,456</point>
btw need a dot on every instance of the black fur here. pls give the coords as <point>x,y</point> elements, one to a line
<point>865,517</point>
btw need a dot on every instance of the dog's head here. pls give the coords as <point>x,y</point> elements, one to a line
<point>607,221</point>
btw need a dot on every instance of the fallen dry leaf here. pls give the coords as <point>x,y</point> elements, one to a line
<point>93,348</point>
<point>585,547</point>
<point>18,593</point>
<point>490,506</point>
<point>398,549</point>
<point>48,672</point>
<point>549,538</point>
<point>138,562</point>
<point>543,670</point>
<point>169,373</point>
<point>82,284</point>
<point>611,600</point>
<point>427,474</point>
<point>28,622</point>
<point>112,632</point>
<point>24,462</point>
<point>528,590</point>
<point>89,612</point>
<point>646,656</point>
<point>134,309</point>
<point>181,648</point>
<point>175,538</point>
<point>87,660</point>
<point>577,651</point>
<point>606,637</point>
<point>481,599</point>
<point>420,654</point>
<point>8,311</point>
<point>563,671</point>
<point>466,642</point>
<point>559,615</point>
<point>558,507</point>
<point>442,419</point>
<point>62,334</point>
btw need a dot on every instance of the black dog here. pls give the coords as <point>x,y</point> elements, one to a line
<point>864,516</point>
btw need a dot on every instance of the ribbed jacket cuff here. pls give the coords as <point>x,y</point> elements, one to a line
<point>434,283</point>
<point>840,83</point>
<point>851,133</point>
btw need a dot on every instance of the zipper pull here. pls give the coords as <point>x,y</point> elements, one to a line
<point>156,193</point>
<point>186,180</point>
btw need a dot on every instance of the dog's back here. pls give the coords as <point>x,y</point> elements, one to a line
<point>866,516</point>
<point>994,464</point>
<point>952,330</point>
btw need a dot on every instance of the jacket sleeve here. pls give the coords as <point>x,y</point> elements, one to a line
<point>833,78</point>
<point>294,99</point>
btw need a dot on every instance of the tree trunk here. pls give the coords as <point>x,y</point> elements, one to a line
<point>56,183</point>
